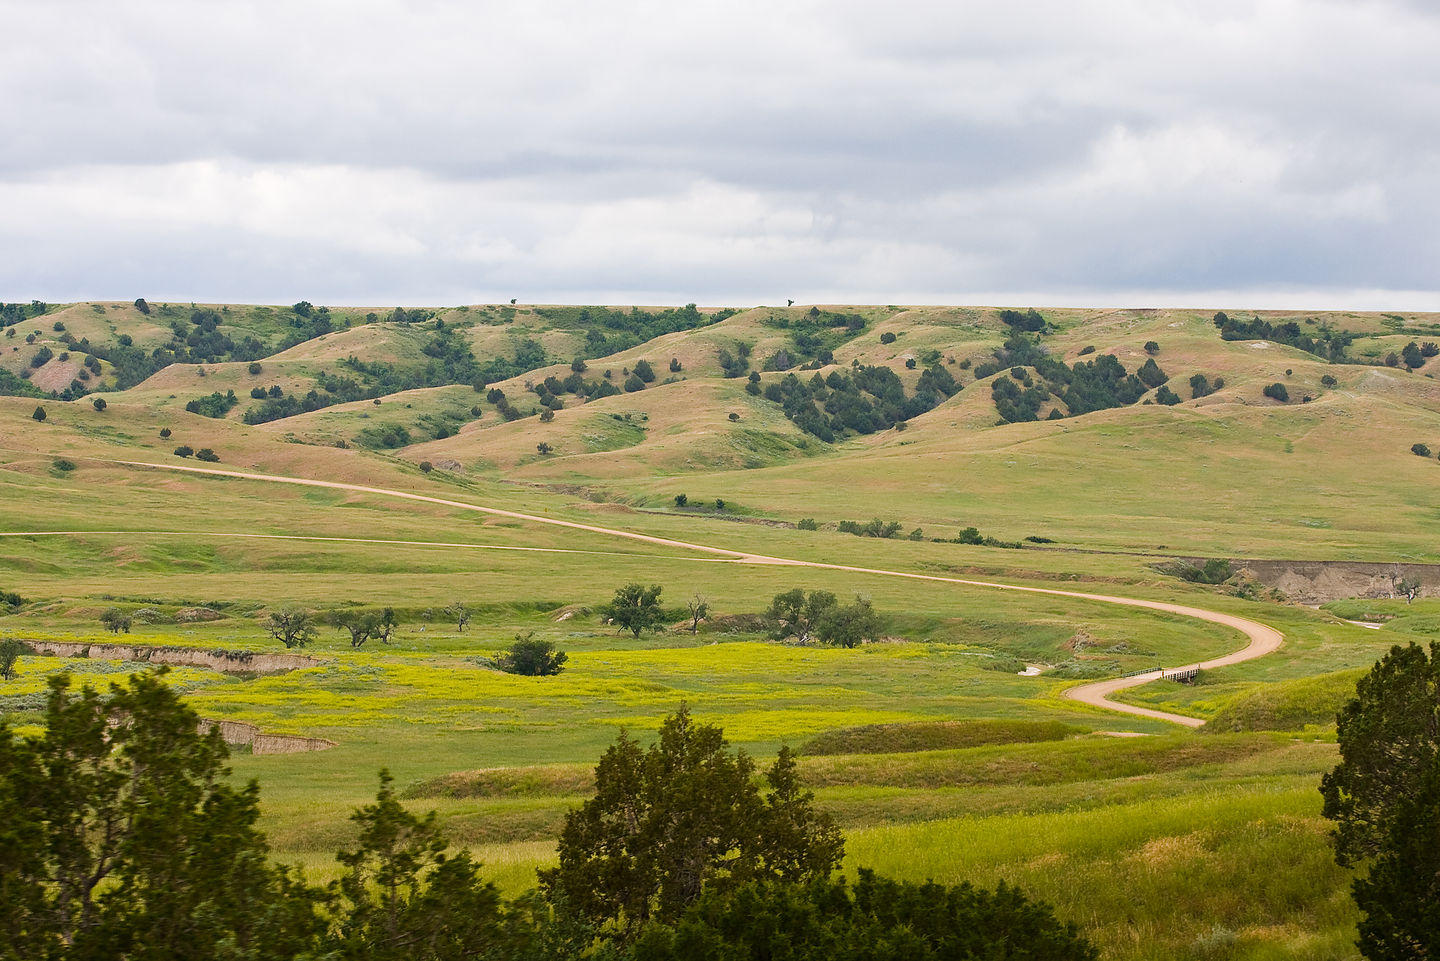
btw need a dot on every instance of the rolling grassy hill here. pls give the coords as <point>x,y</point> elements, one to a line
<point>447,403</point>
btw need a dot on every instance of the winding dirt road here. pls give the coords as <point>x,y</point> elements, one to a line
<point>1262,639</point>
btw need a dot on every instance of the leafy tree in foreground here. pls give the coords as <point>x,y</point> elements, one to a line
<point>1399,893</point>
<point>402,897</point>
<point>1384,796</point>
<point>635,608</point>
<point>683,816</point>
<point>532,657</point>
<point>124,839</point>
<point>292,626</point>
<point>876,918</point>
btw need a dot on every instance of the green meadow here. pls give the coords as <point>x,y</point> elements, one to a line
<point>935,754</point>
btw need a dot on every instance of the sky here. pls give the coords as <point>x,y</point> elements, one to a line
<point>1225,153</point>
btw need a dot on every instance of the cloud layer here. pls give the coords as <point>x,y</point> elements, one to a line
<point>364,151</point>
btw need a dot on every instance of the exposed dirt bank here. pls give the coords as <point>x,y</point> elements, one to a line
<point>1320,582</point>
<point>229,662</point>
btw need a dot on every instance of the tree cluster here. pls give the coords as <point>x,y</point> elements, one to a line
<point>213,405</point>
<point>609,331</point>
<point>366,625</point>
<point>873,528</point>
<point>1084,387</point>
<point>1329,345</point>
<point>819,616</point>
<point>863,400</point>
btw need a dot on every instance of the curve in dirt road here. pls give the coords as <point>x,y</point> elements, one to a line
<point>1262,638</point>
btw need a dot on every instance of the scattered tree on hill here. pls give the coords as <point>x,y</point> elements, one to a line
<point>207,455</point>
<point>1327,380</point>
<point>1420,450</point>
<point>681,818</point>
<point>115,622</point>
<point>363,626</point>
<point>543,448</point>
<point>635,608</point>
<point>292,626</point>
<point>532,657</point>
<point>644,371</point>
<point>807,524</point>
<point>1412,356</point>
<point>887,338</point>
<point>1407,587</point>
<point>213,405</point>
<point>1030,321</point>
<point>1166,396</point>
<point>1384,796</point>
<point>10,652</point>
<point>633,383</point>
<point>1392,359</point>
<point>681,500</point>
<point>39,415</point>
<point>675,365</point>
<point>460,614</point>
<point>797,615</point>
<point>1150,373</point>
<point>1152,348</point>
<point>426,467</point>
<point>141,306</point>
<point>850,625</point>
<point>164,433</point>
<point>184,450</point>
<point>1278,392</point>
<point>699,608</point>
<point>255,368</point>
<point>10,601</point>
<point>99,403</point>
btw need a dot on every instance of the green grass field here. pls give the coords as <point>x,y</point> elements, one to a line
<point>936,756</point>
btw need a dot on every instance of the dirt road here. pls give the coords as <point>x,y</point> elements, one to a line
<point>1262,639</point>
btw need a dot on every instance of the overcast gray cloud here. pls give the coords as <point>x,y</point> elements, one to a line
<point>1244,152</point>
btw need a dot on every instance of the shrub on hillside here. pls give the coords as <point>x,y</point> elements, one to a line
<point>1278,392</point>
<point>532,657</point>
